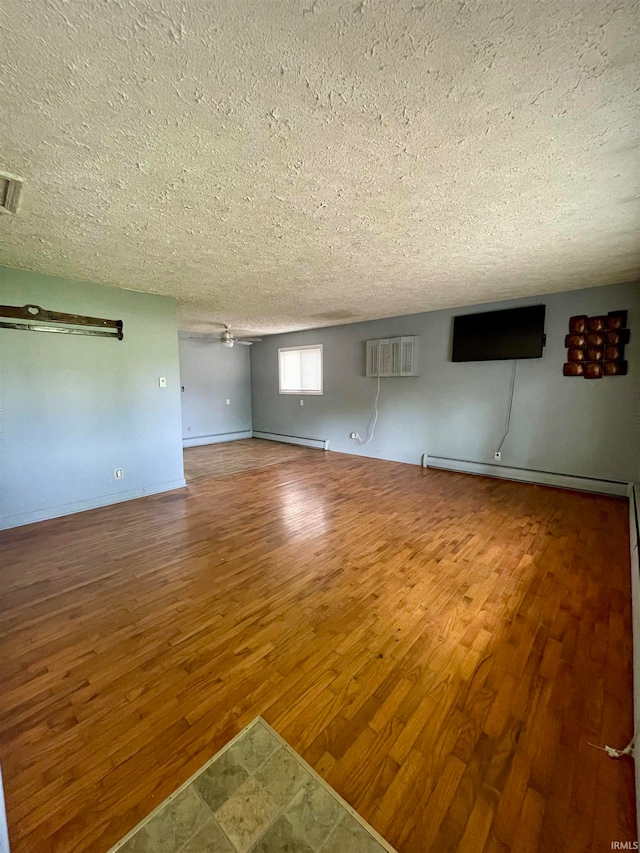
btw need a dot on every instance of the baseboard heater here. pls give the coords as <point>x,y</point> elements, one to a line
<point>527,475</point>
<point>634,540</point>
<point>320,443</point>
<point>216,438</point>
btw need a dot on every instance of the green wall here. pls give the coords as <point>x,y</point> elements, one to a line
<point>75,408</point>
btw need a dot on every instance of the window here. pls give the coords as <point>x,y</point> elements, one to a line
<point>300,369</point>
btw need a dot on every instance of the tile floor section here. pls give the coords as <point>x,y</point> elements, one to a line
<point>256,796</point>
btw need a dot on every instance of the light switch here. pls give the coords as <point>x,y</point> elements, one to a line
<point>162,381</point>
<point>228,402</point>
<point>302,402</point>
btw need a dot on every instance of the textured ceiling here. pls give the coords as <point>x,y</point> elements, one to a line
<point>280,165</point>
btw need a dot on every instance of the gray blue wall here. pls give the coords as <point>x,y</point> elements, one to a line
<point>74,408</point>
<point>559,424</point>
<point>4,829</point>
<point>210,375</point>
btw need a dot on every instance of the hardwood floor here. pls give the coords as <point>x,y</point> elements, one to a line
<point>442,648</point>
<point>233,457</point>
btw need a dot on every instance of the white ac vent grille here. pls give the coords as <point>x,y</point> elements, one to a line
<point>384,358</point>
<point>406,365</point>
<point>393,357</point>
<point>10,190</point>
<point>372,358</point>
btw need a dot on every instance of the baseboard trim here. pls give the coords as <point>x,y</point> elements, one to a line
<point>217,438</point>
<point>527,475</point>
<point>634,515</point>
<point>319,443</point>
<point>21,519</point>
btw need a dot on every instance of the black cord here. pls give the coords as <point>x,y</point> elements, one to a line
<point>513,385</point>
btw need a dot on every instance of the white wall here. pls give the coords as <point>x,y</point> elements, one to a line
<point>559,424</point>
<point>75,408</point>
<point>211,374</point>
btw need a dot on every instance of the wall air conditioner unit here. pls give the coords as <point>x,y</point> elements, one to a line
<point>393,356</point>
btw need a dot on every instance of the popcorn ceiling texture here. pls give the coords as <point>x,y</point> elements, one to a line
<point>280,165</point>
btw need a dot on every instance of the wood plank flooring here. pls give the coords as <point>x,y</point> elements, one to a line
<point>233,457</point>
<point>442,648</point>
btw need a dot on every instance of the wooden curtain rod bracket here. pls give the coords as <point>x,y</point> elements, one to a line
<point>33,316</point>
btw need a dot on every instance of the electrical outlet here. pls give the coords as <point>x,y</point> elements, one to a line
<point>118,474</point>
<point>162,381</point>
<point>302,402</point>
<point>497,456</point>
<point>228,402</point>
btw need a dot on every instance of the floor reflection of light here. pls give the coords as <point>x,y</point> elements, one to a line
<point>302,510</point>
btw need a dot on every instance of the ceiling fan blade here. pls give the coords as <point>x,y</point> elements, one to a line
<point>243,343</point>
<point>252,340</point>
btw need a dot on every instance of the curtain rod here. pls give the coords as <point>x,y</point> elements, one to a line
<point>33,316</point>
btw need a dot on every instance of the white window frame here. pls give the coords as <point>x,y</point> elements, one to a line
<point>298,349</point>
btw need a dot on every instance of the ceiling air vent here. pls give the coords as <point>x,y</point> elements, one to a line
<point>10,190</point>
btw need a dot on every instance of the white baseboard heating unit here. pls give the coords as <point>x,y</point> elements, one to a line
<point>527,475</point>
<point>216,438</point>
<point>304,441</point>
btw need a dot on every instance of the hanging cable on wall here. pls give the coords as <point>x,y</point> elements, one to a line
<point>375,418</point>
<point>513,385</point>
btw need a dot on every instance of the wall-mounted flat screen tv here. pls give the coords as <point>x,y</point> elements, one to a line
<point>495,335</point>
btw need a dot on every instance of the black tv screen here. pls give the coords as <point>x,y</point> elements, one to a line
<point>494,335</point>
